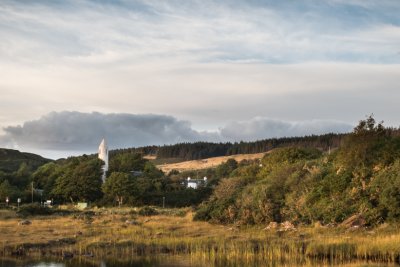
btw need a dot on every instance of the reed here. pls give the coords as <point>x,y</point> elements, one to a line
<point>123,234</point>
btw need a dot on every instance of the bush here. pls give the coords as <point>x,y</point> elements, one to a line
<point>33,209</point>
<point>147,211</point>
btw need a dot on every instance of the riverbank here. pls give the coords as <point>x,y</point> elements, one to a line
<point>124,233</point>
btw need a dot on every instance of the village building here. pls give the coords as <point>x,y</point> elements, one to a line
<point>195,183</point>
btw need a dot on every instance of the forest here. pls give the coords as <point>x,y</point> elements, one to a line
<point>202,150</point>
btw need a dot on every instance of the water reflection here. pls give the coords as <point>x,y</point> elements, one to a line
<point>167,261</point>
<point>84,262</point>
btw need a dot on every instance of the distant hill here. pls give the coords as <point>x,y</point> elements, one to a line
<point>11,160</point>
<point>203,150</point>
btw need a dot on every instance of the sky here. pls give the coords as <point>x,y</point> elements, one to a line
<point>160,72</point>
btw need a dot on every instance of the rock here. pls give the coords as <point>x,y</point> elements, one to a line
<point>331,225</point>
<point>25,222</point>
<point>67,255</point>
<point>271,225</point>
<point>88,255</point>
<point>318,224</point>
<point>354,221</point>
<point>131,222</point>
<point>287,226</point>
<point>79,233</point>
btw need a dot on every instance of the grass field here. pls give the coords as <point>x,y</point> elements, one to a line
<point>206,163</point>
<point>121,232</point>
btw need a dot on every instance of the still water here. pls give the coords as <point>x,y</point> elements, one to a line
<point>167,261</point>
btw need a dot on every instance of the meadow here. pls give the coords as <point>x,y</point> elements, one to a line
<point>123,233</point>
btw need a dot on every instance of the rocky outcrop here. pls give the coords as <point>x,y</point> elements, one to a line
<point>354,221</point>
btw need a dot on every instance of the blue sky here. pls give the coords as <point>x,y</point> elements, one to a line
<point>211,64</point>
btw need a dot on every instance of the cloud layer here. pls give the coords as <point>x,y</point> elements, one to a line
<point>82,132</point>
<point>262,128</point>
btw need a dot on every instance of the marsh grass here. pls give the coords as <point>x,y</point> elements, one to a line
<point>173,232</point>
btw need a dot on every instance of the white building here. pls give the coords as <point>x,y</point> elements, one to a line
<point>195,183</point>
<point>103,155</point>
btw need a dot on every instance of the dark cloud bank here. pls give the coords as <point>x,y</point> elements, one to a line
<point>76,131</point>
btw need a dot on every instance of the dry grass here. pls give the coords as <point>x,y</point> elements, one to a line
<point>206,163</point>
<point>109,234</point>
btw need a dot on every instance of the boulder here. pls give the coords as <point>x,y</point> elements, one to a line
<point>271,225</point>
<point>131,222</point>
<point>355,221</point>
<point>67,255</point>
<point>287,226</point>
<point>331,225</point>
<point>25,222</point>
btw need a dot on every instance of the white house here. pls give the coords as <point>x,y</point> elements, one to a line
<point>195,183</point>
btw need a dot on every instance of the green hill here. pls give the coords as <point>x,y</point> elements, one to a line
<point>202,150</point>
<point>11,160</point>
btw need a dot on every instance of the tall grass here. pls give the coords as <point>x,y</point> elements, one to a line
<point>108,234</point>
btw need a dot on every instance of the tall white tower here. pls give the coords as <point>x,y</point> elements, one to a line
<point>103,155</point>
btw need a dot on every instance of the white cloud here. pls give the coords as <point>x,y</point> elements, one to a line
<point>262,128</point>
<point>65,133</point>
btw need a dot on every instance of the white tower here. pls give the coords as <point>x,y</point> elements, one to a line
<point>103,155</point>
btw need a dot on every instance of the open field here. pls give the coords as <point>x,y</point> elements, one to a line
<point>122,232</point>
<point>206,163</point>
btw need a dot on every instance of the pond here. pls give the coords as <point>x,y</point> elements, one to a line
<point>168,261</point>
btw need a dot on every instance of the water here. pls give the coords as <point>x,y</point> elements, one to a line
<point>166,261</point>
<point>88,262</point>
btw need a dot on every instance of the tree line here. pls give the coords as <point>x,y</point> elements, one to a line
<point>202,150</point>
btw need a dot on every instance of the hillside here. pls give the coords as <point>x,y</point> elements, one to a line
<point>11,160</point>
<point>203,150</point>
<point>207,163</point>
<point>358,184</point>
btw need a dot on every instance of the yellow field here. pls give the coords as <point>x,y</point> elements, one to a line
<point>207,163</point>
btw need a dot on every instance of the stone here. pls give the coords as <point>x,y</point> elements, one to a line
<point>67,255</point>
<point>131,222</point>
<point>272,225</point>
<point>25,222</point>
<point>331,225</point>
<point>355,221</point>
<point>287,226</point>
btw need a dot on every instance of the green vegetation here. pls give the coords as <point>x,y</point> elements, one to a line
<point>16,169</point>
<point>304,186</point>
<point>147,211</point>
<point>120,186</point>
<point>202,150</point>
<point>33,210</point>
<point>11,161</point>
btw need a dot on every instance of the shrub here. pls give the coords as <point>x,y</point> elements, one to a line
<point>147,211</point>
<point>33,209</point>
